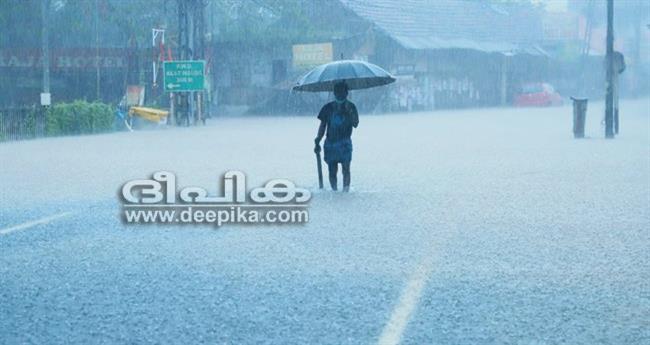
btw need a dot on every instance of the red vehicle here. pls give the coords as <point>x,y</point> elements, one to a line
<point>537,95</point>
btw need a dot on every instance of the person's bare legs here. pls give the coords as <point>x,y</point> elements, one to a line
<point>333,168</point>
<point>346,176</point>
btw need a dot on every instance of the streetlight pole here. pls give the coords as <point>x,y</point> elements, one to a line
<point>609,99</point>
<point>45,44</point>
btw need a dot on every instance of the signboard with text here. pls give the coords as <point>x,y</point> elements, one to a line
<point>310,55</point>
<point>64,59</point>
<point>183,76</point>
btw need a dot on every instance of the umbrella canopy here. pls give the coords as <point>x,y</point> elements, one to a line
<point>357,74</point>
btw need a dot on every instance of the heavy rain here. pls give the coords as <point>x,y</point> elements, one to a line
<point>324,171</point>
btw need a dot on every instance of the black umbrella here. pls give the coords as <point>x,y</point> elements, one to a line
<point>356,74</point>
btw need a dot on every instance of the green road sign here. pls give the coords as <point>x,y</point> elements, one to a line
<point>183,76</point>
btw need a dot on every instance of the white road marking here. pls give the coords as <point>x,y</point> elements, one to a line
<point>27,225</point>
<point>408,301</point>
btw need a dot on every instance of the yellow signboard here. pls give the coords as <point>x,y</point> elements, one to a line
<point>309,55</point>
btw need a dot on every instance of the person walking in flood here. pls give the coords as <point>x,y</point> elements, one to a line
<point>337,119</point>
<point>340,117</point>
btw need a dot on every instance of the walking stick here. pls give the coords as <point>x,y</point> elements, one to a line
<point>320,171</point>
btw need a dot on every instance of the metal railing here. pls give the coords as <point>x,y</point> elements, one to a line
<point>21,123</point>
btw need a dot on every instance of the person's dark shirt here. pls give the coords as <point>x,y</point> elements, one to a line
<point>340,119</point>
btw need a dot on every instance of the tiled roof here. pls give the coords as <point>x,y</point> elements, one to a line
<point>461,24</point>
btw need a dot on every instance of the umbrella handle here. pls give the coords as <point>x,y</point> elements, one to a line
<point>319,166</point>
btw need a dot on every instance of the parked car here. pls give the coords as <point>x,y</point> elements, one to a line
<point>537,95</point>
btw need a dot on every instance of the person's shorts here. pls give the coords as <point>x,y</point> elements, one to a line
<point>338,151</point>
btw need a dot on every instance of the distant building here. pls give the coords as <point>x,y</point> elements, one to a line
<point>444,53</point>
<point>450,53</point>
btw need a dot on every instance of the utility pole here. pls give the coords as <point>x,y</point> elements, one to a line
<point>609,99</point>
<point>46,99</point>
<point>97,72</point>
<point>191,35</point>
<point>183,55</point>
<point>198,51</point>
<point>45,44</point>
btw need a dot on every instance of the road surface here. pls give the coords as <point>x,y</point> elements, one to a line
<point>463,227</point>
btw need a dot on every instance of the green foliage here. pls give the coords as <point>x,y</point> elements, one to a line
<point>20,23</point>
<point>79,117</point>
<point>129,22</point>
<point>271,21</point>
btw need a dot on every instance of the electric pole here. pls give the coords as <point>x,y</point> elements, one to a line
<point>45,44</point>
<point>199,51</point>
<point>183,46</point>
<point>97,72</point>
<point>46,99</point>
<point>609,98</point>
<point>191,35</point>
